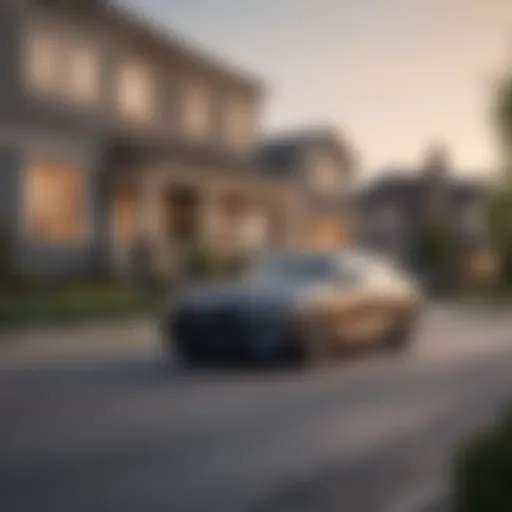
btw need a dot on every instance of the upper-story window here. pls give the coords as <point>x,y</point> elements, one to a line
<point>196,110</point>
<point>83,69</point>
<point>239,124</point>
<point>135,91</point>
<point>61,65</point>
<point>325,174</point>
<point>42,60</point>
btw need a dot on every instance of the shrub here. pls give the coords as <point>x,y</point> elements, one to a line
<point>483,470</point>
<point>199,264</point>
<point>5,256</point>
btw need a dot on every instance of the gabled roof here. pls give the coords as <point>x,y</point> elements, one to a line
<point>285,152</point>
<point>394,184</point>
<point>157,38</point>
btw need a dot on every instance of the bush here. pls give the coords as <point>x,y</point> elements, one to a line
<point>199,264</point>
<point>5,256</point>
<point>202,264</point>
<point>436,255</point>
<point>483,470</point>
<point>77,302</point>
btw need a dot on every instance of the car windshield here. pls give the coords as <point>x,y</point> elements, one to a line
<point>298,267</point>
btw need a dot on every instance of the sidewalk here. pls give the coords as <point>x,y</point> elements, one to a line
<point>85,340</point>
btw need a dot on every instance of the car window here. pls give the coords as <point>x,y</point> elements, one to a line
<point>306,267</point>
<point>297,267</point>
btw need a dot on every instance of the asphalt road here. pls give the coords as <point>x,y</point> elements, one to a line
<point>125,432</point>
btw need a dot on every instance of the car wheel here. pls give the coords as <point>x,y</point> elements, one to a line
<point>402,337</point>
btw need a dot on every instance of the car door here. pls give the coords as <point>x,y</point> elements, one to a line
<point>367,313</point>
<point>385,301</point>
<point>345,302</point>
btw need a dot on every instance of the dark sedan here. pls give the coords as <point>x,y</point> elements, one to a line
<point>303,305</point>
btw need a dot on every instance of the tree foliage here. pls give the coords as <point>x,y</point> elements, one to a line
<point>483,470</point>
<point>499,206</point>
<point>436,249</point>
<point>503,117</point>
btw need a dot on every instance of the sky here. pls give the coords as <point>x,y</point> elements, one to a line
<point>394,76</point>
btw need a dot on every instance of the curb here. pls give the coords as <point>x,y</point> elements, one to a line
<point>55,344</point>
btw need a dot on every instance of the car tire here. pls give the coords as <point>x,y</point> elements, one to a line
<point>401,338</point>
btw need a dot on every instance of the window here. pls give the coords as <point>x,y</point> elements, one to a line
<point>135,91</point>
<point>197,112</point>
<point>325,175</point>
<point>253,230</point>
<point>298,267</point>
<point>41,60</point>
<point>65,67</point>
<point>239,124</point>
<point>55,202</point>
<point>83,72</point>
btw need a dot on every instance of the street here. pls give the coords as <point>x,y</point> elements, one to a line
<point>125,431</point>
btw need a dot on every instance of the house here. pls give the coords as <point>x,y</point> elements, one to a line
<point>395,207</point>
<point>112,131</point>
<point>322,164</point>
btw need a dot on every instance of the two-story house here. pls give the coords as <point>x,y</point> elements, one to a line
<point>322,165</point>
<point>112,130</point>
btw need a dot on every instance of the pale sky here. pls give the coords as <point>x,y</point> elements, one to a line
<point>394,75</point>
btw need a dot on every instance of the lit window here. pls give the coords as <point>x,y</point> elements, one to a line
<point>55,202</point>
<point>41,60</point>
<point>196,115</point>
<point>239,124</point>
<point>325,175</point>
<point>83,73</point>
<point>135,91</point>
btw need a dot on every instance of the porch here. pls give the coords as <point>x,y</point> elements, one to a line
<point>173,208</point>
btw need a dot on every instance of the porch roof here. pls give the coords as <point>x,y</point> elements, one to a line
<point>203,163</point>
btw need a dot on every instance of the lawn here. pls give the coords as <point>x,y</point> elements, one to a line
<point>77,303</point>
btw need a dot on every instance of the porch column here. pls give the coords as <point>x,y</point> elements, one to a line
<point>207,218</point>
<point>294,221</point>
<point>150,217</point>
<point>150,203</point>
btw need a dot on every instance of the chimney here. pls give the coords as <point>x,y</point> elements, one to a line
<point>436,170</point>
<point>437,161</point>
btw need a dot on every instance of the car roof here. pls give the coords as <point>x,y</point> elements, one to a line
<point>352,256</point>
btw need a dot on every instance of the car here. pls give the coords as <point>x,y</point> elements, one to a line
<point>301,306</point>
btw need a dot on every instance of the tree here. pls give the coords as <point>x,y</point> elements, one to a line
<point>437,252</point>
<point>503,121</point>
<point>499,207</point>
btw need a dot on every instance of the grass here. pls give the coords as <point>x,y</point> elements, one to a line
<point>78,302</point>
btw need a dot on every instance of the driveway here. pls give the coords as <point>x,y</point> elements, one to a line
<point>120,429</point>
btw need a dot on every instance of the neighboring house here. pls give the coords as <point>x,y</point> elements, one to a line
<point>112,133</point>
<point>396,205</point>
<point>323,165</point>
